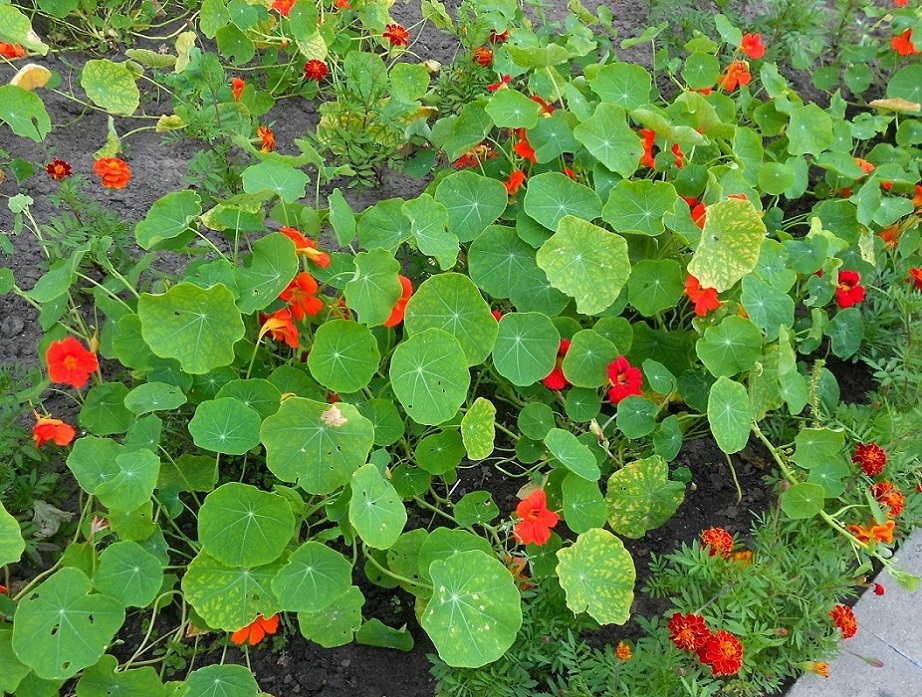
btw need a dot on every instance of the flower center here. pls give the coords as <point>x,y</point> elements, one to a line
<point>70,362</point>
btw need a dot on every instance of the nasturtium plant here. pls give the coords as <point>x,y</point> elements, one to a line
<point>640,497</point>
<point>598,575</point>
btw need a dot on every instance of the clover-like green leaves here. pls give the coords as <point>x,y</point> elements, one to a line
<point>730,244</point>
<point>597,574</point>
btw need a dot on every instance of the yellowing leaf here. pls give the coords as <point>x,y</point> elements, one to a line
<point>31,76</point>
<point>897,104</point>
<point>169,122</point>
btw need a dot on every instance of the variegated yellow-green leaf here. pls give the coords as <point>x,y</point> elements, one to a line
<point>641,497</point>
<point>111,86</point>
<point>730,244</point>
<point>478,429</point>
<point>15,28</point>
<point>597,574</point>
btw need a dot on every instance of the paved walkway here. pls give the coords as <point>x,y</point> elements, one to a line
<point>889,629</point>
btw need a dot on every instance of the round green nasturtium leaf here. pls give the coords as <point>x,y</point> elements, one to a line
<point>775,178</point>
<point>624,84</point>
<point>510,108</point>
<point>337,623</point>
<point>846,332</point>
<point>526,347</point>
<point>641,497</point>
<point>375,633</point>
<point>810,130</point>
<point>583,404</point>
<point>315,444</point>
<point>24,111</point>
<point>374,289</point>
<point>655,285</point>
<point>225,426</point>
<point>658,377</point>
<point>375,510</point>
<point>11,543</point>
<point>597,574</point>
<point>103,680</point>
<point>583,505</point>
<point>729,414</point>
<point>906,84</point>
<point>230,597</point>
<point>410,481</point>
<point>344,356</point>
<point>430,377</point>
<point>497,259</point>
<point>529,451</point>
<point>587,359</point>
<point>61,628</point>
<point>769,308</point>
<point>533,292</point>
<point>134,484</point>
<point>196,326</point>
<point>382,226</point>
<point>535,420</point>
<point>279,178</point>
<point>104,411</point>
<point>638,207</point>
<point>266,272</point>
<point>168,219</point>
<point>478,429</point>
<point>731,347</point>
<point>240,525</point>
<point>608,137</point>
<point>617,330</point>
<point>730,244</point>
<point>667,441</point>
<point>440,452</point>
<point>552,195</point>
<point>452,303</point>
<point>444,543</point>
<point>475,507</point>
<point>475,611</point>
<point>701,70</point>
<point>572,454</point>
<point>403,557</point>
<point>814,446</point>
<point>552,137</point>
<point>386,419</point>
<point>12,670</point>
<point>429,227</point>
<point>254,393</point>
<point>473,202</point>
<point>129,573</point>
<point>110,86</point>
<point>154,396</point>
<point>586,262</point>
<point>222,681</point>
<point>314,577</point>
<point>803,500</point>
<point>636,416</point>
<point>831,476</point>
<point>92,461</point>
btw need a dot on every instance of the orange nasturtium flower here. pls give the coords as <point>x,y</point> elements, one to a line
<point>396,34</point>
<point>400,306</point>
<point>11,51</point>
<point>305,247</point>
<point>516,179</point>
<point>717,541</point>
<point>877,533</point>
<point>301,296</point>
<point>752,46</point>
<point>115,173</point>
<point>254,632</point>
<point>522,147</point>
<point>546,109</point>
<point>886,493</point>
<point>48,429</point>
<point>58,169</point>
<point>688,632</point>
<point>915,276</point>
<point>843,618</point>
<point>865,166</point>
<point>821,668</point>
<point>917,199</point>
<point>315,70</point>
<point>734,75</point>
<point>266,137</point>
<point>536,519</point>
<point>903,44</point>
<point>501,85</point>
<point>69,363</point>
<point>237,85</point>
<point>280,326</point>
<point>705,299</point>
<point>648,139</point>
<point>723,652</point>
<point>283,7</point>
<point>555,380</point>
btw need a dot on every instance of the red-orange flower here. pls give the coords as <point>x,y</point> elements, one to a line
<point>555,379</point>
<point>723,652</point>
<point>58,169</point>
<point>396,34</point>
<point>280,326</point>
<point>115,173</point>
<point>849,292</point>
<point>516,566</point>
<point>516,179</point>
<point>648,139</point>
<point>887,494</point>
<point>483,56</point>
<point>70,363</point>
<point>11,51</point>
<point>502,84</point>
<point>903,44</point>
<point>624,378</point>
<point>623,652</point>
<point>569,172</point>
<point>821,668</point>
<point>679,156</point>
<point>878,533</point>
<point>900,3</point>
<point>301,296</point>
<point>401,306</point>
<point>546,109</point>
<point>705,299</point>
<point>267,137</point>
<point>865,166</point>
<point>917,199</point>
<point>305,247</point>
<point>688,632</point>
<point>717,541</point>
<point>915,276</point>
<point>237,86</point>
<point>48,429</point>
<point>871,458</point>
<point>283,7</point>
<point>498,38</point>
<point>734,75</point>
<point>536,520</point>
<point>844,619</point>
<point>315,70</point>
<point>254,632</point>
<point>752,46</point>
<point>523,147</point>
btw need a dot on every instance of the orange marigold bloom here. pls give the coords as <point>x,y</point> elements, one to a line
<point>915,276</point>
<point>48,429</point>
<point>888,494</point>
<point>516,179</point>
<point>396,34</point>
<point>717,541</point>
<point>536,520</point>
<point>315,70</point>
<point>283,7</point>
<point>843,618</point>
<point>752,46</point>
<point>523,147</point>
<point>11,51</point>
<point>58,169</point>
<point>903,44</point>
<point>115,173</point>
<point>254,632</point>
<point>237,85</point>
<point>70,363</point>
<point>623,652</point>
<point>688,632</point>
<point>300,295</point>
<point>871,458</point>
<point>280,326</point>
<point>743,557</point>
<point>821,668</point>
<point>723,652</point>
<point>400,307</point>
<point>705,299</point>
<point>267,137</point>
<point>736,74</point>
<point>484,57</point>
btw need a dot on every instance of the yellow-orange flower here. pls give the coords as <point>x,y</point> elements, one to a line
<point>267,137</point>
<point>115,173</point>
<point>623,652</point>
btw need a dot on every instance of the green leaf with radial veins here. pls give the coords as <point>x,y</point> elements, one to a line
<point>154,396</point>
<point>266,272</point>
<point>11,543</point>
<point>730,244</point>
<point>281,179</point>
<point>344,356</point>
<point>624,84</point>
<point>586,262</point>
<point>384,225</point>
<point>92,461</point>
<point>15,28</point>
<point>375,288</point>
<point>222,681</point>
<point>196,326</point>
<point>572,454</point>
<point>655,285</point>
<point>60,627</point>
<point>314,577</point>
<point>315,444</point>
<point>802,500</point>
<point>638,207</point>
<point>336,624</point>
<point>475,612</point>
<point>583,505</point>
<point>814,446</point>
<point>526,347</point>
<point>375,510</point>
<point>473,202</point>
<point>12,670</point>
<point>478,429</point>
<point>104,411</point>
<point>256,393</point>
<point>23,111</point>
<point>226,426</point>
<point>552,195</point>
<point>169,217</point>
<point>731,347</point>
<point>768,307</point>
<point>729,414</point>
<point>110,86</point>
<point>510,108</point>
<point>129,573</point>
<point>429,225</point>
<point>135,482</point>
<point>497,259</point>
<point>451,302</point>
<point>587,360</point>
<point>810,130</point>
<point>597,574</point>
<point>641,497</point>
<point>608,137</point>
<point>445,543</point>
<point>103,680</point>
<point>430,376</point>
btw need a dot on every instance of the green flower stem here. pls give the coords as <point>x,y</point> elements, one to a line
<point>436,509</point>
<point>391,574</point>
<point>142,647</point>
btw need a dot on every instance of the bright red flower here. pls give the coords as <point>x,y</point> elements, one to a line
<point>705,299</point>
<point>717,541</point>
<point>871,458</point>
<point>115,173</point>
<point>283,7</point>
<point>48,429</point>
<point>887,494</point>
<point>865,166</point>
<point>679,156</point>
<point>315,70</point>
<point>237,86</point>
<point>11,51</point>
<point>502,84</point>
<point>497,315</point>
<point>546,109</point>
<point>516,179</point>
<point>401,306</point>
<point>397,35</point>
<point>484,57</point>
<point>648,139</point>
<point>536,520</point>
<point>900,3</point>
<point>752,46</point>
<point>688,632</point>
<point>734,75</point>
<point>523,148</point>
<point>723,652</point>
<point>58,169</point>
<point>903,44</point>
<point>498,38</point>
<point>699,214</point>
<point>70,363</point>
<point>281,327</point>
<point>569,172</point>
<point>844,619</point>
<point>267,137</point>
<point>915,276</point>
<point>342,5</point>
<point>254,632</point>
<point>555,379</point>
<point>848,291</point>
<point>301,296</point>
<point>625,380</point>
<point>879,589</point>
<point>305,247</point>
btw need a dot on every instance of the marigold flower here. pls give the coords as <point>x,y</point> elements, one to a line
<point>717,541</point>
<point>821,668</point>
<point>903,44</point>
<point>267,137</point>
<point>915,276</point>
<point>115,173</point>
<point>400,307</point>
<point>688,632</point>
<point>237,86</point>
<point>502,84</point>
<point>555,379</point>
<point>887,494</point>
<point>48,429</point>
<point>849,292</point>
<point>315,70</point>
<point>283,7</point>
<point>734,75</point>
<point>871,458</point>
<point>536,520</point>
<point>879,589</point>
<point>484,57</point>
<point>843,618</point>
<point>648,139</point>
<point>516,179</point>
<point>723,652</point>
<point>11,51</point>
<point>623,652</point>
<point>254,632</point>
<point>523,148</point>
<point>69,363</point>
<point>705,299</point>
<point>396,34</point>
<point>624,378</point>
<point>752,46</point>
<point>58,169</point>
<point>301,296</point>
